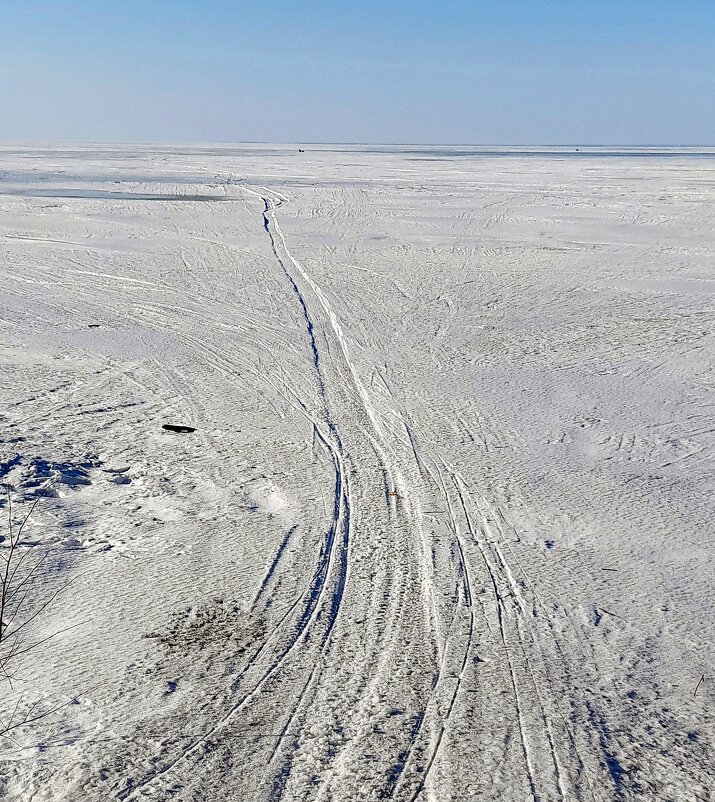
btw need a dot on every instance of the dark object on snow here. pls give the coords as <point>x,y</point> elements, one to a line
<point>170,427</point>
<point>300,150</point>
<point>94,325</point>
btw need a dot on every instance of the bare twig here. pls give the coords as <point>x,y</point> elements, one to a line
<point>21,603</point>
<point>608,612</point>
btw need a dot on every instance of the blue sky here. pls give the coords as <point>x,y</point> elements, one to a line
<point>456,71</point>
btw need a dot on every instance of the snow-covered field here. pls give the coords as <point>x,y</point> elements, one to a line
<point>444,529</point>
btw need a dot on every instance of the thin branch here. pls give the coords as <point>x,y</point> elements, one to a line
<point>12,717</point>
<point>4,734</point>
<point>21,558</point>
<point>32,570</point>
<point>40,610</point>
<point>18,610</point>
<point>18,605</point>
<point>32,509</point>
<point>28,718</point>
<point>49,637</point>
<point>9,510</point>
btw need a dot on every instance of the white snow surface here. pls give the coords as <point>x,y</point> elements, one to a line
<point>444,529</point>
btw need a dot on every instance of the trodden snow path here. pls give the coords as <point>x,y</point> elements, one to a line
<point>441,531</point>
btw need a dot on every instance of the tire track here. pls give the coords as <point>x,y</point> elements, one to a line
<point>467,603</point>
<point>525,748</point>
<point>338,385</point>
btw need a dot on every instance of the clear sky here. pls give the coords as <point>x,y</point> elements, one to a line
<point>416,71</point>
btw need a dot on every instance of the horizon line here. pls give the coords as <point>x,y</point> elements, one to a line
<point>297,143</point>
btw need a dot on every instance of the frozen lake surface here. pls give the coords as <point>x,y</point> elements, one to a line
<point>443,531</point>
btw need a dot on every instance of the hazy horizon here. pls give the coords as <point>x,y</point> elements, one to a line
<point>28,142</point>
<point>516,72</point>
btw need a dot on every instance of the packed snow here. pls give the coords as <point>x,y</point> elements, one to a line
<point>442,530</point>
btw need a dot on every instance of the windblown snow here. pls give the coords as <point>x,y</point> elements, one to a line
<point>443,531</point>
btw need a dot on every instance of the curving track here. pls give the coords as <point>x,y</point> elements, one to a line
<point>421,547</point>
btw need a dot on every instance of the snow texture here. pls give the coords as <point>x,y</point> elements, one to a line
<point>443,531</point>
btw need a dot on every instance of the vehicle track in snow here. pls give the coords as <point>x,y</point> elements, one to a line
<point>439,720</point>
<point>341,401</point>
<point>465,601</point>
<point>344,401</point>
<point>320,606</point>
<point>421,438</point>
<point>314,603</point>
